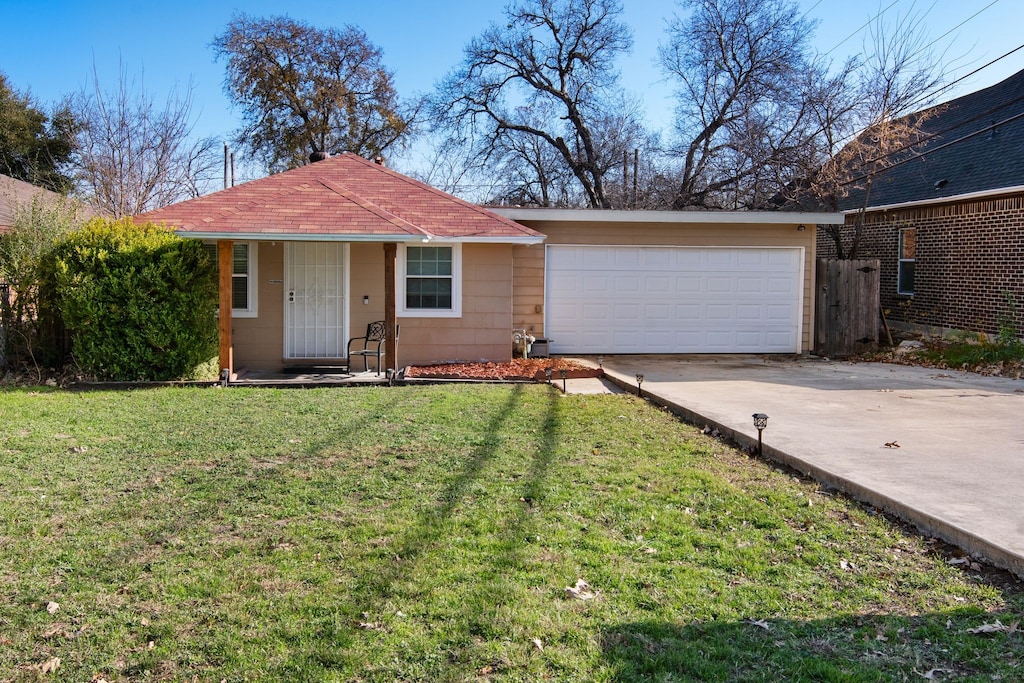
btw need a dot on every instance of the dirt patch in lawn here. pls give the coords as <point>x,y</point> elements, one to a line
<point>516,369</point>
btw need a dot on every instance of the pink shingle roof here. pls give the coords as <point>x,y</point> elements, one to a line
<point>344,195</point>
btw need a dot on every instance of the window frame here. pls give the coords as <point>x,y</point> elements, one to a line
<point>902,262</point>
<point>252,282</point>
<point>401,289</point>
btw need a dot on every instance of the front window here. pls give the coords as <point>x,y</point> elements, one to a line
<point>243,277</point>
<point>429,278</point>
<point>907,261</point>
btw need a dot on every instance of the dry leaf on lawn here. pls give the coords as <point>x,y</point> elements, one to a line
<point>52,607</point>
<point>49,666</point>
<point>997,627</point>
<point>581,591</point>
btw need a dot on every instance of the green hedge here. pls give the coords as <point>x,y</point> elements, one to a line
<point>138,301</point>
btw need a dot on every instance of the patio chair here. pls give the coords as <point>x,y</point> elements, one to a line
<point>372,344</point>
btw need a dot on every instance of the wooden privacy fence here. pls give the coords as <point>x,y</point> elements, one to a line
<point>846,307</point>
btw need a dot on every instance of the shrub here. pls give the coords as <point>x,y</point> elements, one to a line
<point>32,333</point>
<point>139,302</point>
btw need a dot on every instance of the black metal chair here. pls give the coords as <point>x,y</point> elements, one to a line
<point>372,343</point>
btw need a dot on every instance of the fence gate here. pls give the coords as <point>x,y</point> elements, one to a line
<point>846,307</point>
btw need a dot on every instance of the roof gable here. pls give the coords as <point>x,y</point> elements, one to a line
<point>341,197</point>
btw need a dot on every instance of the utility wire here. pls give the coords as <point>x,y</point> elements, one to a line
<point>944,145</point>
<point>868,23</point>
<point>852,136</point>
<point>965,76</point>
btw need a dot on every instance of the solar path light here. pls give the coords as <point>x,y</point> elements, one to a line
<point>760,422</point>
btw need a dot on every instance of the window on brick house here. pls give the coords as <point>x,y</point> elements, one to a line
<point>907,260</point>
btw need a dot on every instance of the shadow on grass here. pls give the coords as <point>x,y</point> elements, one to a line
<point>431,524</point>
<point>847,648</point>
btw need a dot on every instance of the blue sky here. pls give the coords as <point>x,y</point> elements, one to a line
<point>50,46</point>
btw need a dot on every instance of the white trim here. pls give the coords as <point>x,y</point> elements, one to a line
<point>252,282</point>
<point>982,194</point>
<point>633,216</point>
<point>456,310</point>
<point>252,279</point>
<point>400,239</point>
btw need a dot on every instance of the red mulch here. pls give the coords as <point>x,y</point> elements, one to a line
<point>518,368</point>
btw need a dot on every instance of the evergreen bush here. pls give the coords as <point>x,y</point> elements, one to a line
<point>139,302</point>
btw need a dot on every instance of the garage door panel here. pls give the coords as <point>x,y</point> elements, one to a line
<point>653,313</point>
<point>673,299</point>
<point>627,312</point>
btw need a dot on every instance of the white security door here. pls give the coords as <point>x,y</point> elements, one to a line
<point>315,311</point>
<point>605,299</point>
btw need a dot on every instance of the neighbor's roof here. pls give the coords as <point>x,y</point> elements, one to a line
<point>15,193</point>
<point>345,198</point>
<point>977,149</point>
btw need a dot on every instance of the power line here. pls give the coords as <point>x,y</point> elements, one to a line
<point>923,48</point>
<point>944,145</point>
<point>965,76</point>
<point>868,23</point>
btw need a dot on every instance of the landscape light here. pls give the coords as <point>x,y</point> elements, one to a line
<point>760,422</point>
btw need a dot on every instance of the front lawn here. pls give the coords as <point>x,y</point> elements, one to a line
<point>431,533</point>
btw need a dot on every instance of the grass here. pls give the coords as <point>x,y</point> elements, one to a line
<point>415,534</point>
<point>971,353</point>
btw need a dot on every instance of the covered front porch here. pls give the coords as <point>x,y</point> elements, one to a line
<point>289,305</point>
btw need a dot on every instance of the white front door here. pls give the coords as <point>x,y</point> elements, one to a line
<point>316,299</point>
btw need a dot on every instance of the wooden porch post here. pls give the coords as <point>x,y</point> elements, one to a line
<point>390,316</point>
<point>225,263</point>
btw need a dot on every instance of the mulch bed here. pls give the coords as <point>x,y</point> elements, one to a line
<point>517,369</point>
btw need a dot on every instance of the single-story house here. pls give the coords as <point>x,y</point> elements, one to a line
<point>309,257</point>
<point>946,219</point>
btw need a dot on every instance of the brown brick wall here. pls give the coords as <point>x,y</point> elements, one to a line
<point>970,255</point>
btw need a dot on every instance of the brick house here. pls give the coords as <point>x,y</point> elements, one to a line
<point>947,221</point>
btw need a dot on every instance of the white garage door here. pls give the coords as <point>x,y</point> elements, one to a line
<point>673,299</point>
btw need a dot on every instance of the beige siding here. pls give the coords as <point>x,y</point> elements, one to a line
<point>529,277</point>
<point>484,332</point>
<point>259,342</point>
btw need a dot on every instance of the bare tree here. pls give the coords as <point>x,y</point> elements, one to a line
<point>537,88</point>
<point>743,115</point>
<point>304,90</point>
<point>874,122</point>
<point>133,155</point>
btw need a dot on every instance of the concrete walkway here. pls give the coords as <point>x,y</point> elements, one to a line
<point>941,449</point>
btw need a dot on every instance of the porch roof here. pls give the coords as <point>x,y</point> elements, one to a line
<point>343,198</point>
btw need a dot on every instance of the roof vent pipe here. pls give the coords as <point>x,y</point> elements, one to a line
<point>379,160</point>
<point>318,156</point>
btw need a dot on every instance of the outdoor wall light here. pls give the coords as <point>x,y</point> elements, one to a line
<point>366,300</point>
<point>639,381</point>
<point>801,227</point>
<point>760,422</point>
<point>563,373</point>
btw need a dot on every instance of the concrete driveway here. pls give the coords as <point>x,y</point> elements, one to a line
<point>954,464</point>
